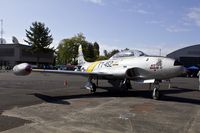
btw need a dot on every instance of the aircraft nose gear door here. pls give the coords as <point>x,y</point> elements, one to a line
<point>90,85</point>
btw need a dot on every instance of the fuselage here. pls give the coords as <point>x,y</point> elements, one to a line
<point>154,67</point>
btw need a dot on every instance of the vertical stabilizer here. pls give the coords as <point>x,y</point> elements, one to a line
<point>81,59</point>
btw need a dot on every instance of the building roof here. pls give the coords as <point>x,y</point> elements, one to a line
<point>190,51</point>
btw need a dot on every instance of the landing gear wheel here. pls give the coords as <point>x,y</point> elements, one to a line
<point>94,87</point>
<point>155,94</point>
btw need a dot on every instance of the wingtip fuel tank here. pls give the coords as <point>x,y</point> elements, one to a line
<point>22,69</point>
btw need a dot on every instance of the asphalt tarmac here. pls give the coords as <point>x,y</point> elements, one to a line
<point>41,103</point>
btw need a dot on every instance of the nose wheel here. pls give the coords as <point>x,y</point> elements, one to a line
<point>155,92</point>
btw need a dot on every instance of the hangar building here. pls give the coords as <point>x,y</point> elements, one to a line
<point>12,54</point>
<point>188,56</point>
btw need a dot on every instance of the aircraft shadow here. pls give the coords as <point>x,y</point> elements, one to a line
<point>165,95</point>
<point>50,99</point>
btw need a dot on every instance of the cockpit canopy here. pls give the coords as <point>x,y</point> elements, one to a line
<point>128,53</point>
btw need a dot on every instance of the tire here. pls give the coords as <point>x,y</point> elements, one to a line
<point>155,94</point>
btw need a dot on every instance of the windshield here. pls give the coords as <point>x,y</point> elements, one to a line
<point>128,53</point>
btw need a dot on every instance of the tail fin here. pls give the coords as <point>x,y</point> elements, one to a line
<point>81,59</point>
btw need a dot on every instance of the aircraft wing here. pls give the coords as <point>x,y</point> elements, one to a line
<point>25,69</point>
<point>136,74</point>
<point>138,78</point>
<point>70,72</point>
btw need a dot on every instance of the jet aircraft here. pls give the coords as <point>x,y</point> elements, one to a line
<point>119,70</point>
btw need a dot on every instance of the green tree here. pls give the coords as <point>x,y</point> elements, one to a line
<point>76,41</point>
<point>96,50</point>
<point>39,38</point>
<point>64,53</point>
<point>90,52</point>
<point>68,50</point>
<point>102,58</point>
<point>105,53</point>
<point>114,51</point>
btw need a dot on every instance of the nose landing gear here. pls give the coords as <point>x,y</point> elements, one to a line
<point>156,93</point>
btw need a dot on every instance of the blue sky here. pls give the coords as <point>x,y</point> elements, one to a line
<point>147,25</point>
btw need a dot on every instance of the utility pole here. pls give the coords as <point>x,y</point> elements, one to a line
<point>1,31</point>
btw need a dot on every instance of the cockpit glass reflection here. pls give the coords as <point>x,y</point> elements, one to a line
<point>128,53</point>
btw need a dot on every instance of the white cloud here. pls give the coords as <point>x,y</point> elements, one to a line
<point>138,11</point>
<point>144,12</point>
<point>176,29</point>
<point>154,22</point>
<point>99,2</point>
<point>194,15</point>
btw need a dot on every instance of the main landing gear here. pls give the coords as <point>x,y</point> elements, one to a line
<point>125,85</point>
<point>90,85</point>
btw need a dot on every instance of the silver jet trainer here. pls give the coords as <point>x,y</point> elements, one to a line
<point>120,69</point>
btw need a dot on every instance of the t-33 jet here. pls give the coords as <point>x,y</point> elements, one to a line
<point>119,70</point>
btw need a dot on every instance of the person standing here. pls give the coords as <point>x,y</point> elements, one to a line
<point>198,74</point>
